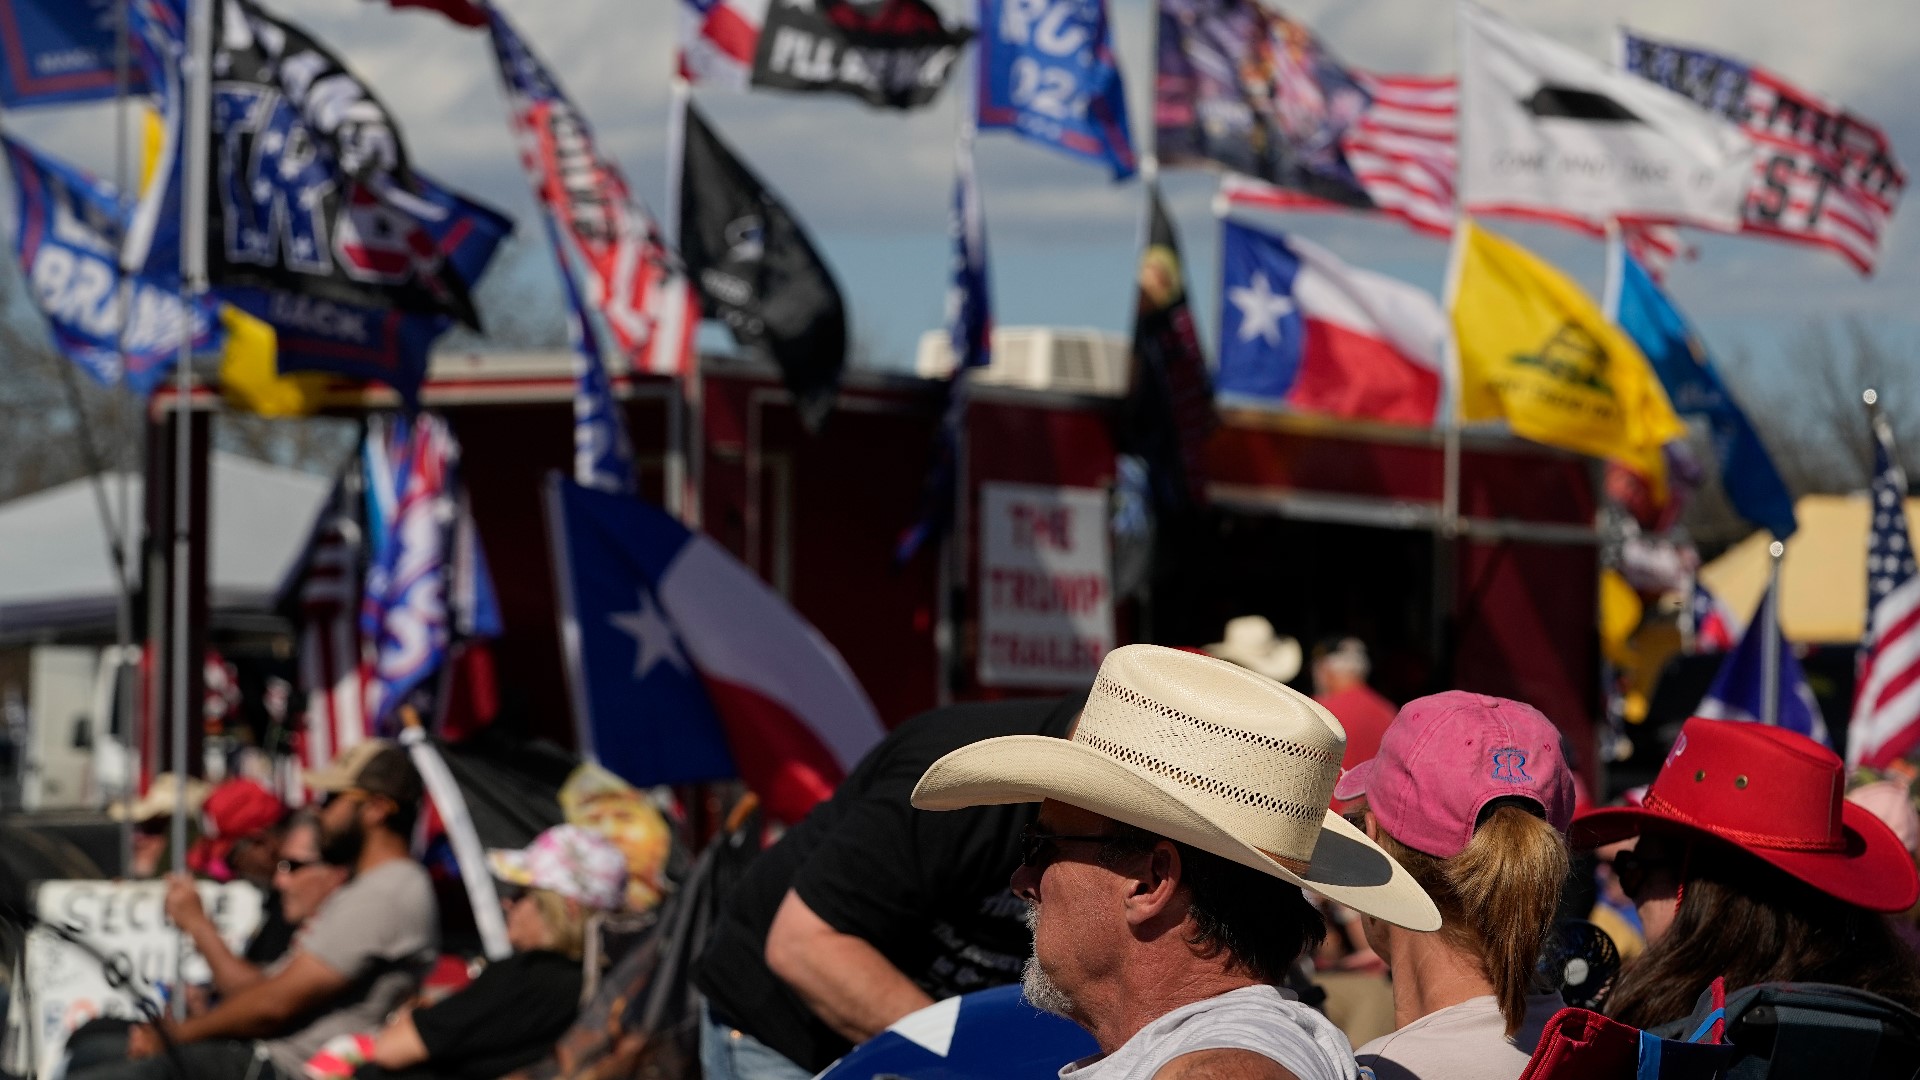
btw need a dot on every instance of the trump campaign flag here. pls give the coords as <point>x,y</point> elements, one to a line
<point>1535,349</point>
<point>59,52</point>
<point>1047,71</point>
<point>1886,705</point>
<point>758,271</point>
<point>1300,326</point>
<point>1738,690</point>
<point>1546,130</point>
<point>684,666</point>
<point>633,279</point>
<point>1822,175</point>
<point>67,228</point>
<point>1680,358</point>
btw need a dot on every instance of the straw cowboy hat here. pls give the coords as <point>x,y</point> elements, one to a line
<point>1250,641</point>
<point>1775,795</point>
<point>1206,753</point>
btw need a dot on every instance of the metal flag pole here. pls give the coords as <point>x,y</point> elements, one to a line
<point>1769,628</point>
<point>193,275</point>
<point>128,404</point>
<point>685,432</point>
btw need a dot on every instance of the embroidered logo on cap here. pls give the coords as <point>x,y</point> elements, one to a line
<point>1510,765</point>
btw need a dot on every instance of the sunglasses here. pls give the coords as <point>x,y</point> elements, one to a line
<point>294,866</point>
<point>1633,869</point>
<point>1039,849</point>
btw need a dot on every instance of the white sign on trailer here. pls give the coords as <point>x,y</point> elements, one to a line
<point>127,922</point>
<point>1046,595</point>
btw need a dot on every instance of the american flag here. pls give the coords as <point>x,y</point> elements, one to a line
<point>325,591</point>
<point>1713,628</point>
<point>1402,151</point>
<point>1886,706</point>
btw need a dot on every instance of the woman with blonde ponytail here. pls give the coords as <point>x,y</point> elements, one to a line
<point>1472,796</point>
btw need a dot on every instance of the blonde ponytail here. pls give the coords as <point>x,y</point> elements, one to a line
<point>1497,898</point>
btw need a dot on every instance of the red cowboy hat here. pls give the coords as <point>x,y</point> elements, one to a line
<point>1776,796</point>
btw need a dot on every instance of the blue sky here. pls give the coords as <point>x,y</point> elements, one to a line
<point>874,187</point>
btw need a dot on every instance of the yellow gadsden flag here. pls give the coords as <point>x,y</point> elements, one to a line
<point>1535,350</point>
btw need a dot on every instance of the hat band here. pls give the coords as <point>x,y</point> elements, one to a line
<point>1742,837</point>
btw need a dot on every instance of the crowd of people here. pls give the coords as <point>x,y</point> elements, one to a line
<point>1191,860</point>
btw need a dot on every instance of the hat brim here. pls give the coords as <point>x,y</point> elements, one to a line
<point>328,778</point>
<point>1346,867</point>
<point>509,866</point>
<point>1874,870</point>
<point>1353,783</point>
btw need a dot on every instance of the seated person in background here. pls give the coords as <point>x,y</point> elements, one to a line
<point>1751,866</point>
<point>152,817</point>
<point>513,1013</point>
<point>1471,795</point>
<point>353,964</point>
<point>302,881</point>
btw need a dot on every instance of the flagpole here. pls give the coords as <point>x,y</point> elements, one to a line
<point>193,275</point>
<point>685,429</point>
<point>1770,637</point>
<point>123,685</point>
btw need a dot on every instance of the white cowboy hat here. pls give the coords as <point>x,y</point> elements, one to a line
<point>1204,752</point>
<point>1251,642</point>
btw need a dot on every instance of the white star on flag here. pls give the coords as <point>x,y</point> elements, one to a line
<point>653,636</point>
<point>1261,309</point>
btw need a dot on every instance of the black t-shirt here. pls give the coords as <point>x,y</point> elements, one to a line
<point>507,1018</point>
<point>927,889</point>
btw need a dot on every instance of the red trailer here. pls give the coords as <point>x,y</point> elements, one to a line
<point>1324,527</point>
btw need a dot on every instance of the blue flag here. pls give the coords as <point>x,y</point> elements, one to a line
<point>970,336</point>
<point>641,707</point>
<point>1680,358</point>
<point>1736,693</point>
<point>66,227</point>
<point>58,52</point>
<point>1047,71</point>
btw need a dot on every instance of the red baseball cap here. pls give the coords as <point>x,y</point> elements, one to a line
<point>1777,796</point>
<point>235,810</point>
<point>1445,757</point>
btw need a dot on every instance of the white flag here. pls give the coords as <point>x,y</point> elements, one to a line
<point>1548,130</point>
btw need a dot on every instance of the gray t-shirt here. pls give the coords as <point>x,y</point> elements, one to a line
<point>380,931</point>
<point>1263,1019</point>
<point>1467,1041</point>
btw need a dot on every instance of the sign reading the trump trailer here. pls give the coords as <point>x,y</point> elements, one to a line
<point>126,923</point>
<point>1046,596</point>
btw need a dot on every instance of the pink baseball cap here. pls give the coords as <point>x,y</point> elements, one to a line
<point>1445,757</point>
<point>571,860</point>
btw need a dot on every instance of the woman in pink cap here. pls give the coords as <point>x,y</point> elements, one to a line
<point>512,1014</point>
<point>1470,794</point>
<point>1749,865</point>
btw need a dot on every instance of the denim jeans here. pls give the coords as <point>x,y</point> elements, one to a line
<point>727,1053</point>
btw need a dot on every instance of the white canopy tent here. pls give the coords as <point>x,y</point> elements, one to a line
<point>56,575</point>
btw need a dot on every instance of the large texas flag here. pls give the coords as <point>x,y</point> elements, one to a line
<point>1299,326</point>
<point>686,667</point>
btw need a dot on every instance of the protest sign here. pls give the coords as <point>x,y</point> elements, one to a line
<point>127,922</point>
<point>1046,598</point>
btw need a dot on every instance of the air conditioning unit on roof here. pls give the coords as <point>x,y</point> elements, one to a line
<point>1075,361</point>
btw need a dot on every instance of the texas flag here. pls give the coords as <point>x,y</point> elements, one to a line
<point>1299,326</point>
<point>685,667</point>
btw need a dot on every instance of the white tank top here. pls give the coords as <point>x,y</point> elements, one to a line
<point>1263,1019</point>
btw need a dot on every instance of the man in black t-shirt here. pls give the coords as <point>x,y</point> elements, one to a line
<point>869,909</point>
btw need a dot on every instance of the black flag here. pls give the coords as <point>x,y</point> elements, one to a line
<point>1169,412</point>
<point>756,270</point>
<point>889,53</point>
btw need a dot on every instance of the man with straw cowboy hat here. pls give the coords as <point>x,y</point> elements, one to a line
<point>1163,877</point>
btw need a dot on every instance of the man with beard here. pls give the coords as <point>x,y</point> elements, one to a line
<point>869,909</point>
<point>356,961</point>
<point>1163,875</point>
